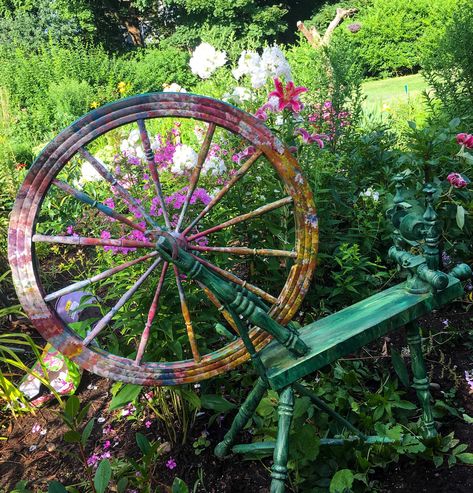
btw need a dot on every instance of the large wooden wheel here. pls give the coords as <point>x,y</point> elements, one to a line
<point>36,224</point>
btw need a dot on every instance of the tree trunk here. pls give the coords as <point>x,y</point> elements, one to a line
<point>134,31</point>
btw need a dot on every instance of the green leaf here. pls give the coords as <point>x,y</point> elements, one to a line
<point>342,481</point>
<point>87,431</point>
<point>192,398</point>
<point>121,485</point>
<point>400,367</point>
<point>72,406</point>
<point>216,403</point>
<point>468,419</point>
<point>460,217</point>
<point>56,487</point>
<point>438,460</point>
<point>72,436</point>
<point>143,443</point>
<point>102,476</point>
<point>83,413</point>
<point>465,457</point>
<point>126,394</point>
<point>178,486</point>
<point>405,405</point>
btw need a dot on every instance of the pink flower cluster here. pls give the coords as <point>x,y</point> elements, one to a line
<point>465,140</point>
<point>327,119</point>
<point>457,180</point>
<point>134,235</point>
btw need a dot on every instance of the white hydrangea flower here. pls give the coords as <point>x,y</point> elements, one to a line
<point>214,165</point>
<point>248,61</point>
<point>206,59</point>
<point>174,87</point>
<point>184,158</point>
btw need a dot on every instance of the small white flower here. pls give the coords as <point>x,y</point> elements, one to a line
<point>43,431</point>
<point>89,173</point>
<point>174,87</point>
<point>101,419</point>
<point>369,192</point>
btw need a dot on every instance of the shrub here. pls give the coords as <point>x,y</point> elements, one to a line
<point>448,64</point>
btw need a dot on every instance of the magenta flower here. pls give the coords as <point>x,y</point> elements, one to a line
<point>148,423</point>
<point>465,140</point>
<point>288,97</point>
<point>308,138</point>
<point>92,460</point>
<point>457,180</point>
<point>171,464</point>
<point>106,445</point>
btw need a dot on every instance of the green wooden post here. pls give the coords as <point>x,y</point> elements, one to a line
<point>421,382</point>
<point>281,450</point>
<point>244,414</point>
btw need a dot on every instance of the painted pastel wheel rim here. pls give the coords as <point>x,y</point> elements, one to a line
<point>98,122</point>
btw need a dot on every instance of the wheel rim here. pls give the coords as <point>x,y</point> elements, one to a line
<point>56,155</point>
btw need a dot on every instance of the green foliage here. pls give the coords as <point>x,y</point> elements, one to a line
<point>162,65</point>
<point>448,65</point>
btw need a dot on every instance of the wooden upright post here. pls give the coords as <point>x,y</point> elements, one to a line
<point>421,382</point>
<point>281,450</point>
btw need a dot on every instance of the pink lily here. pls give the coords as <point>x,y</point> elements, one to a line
<point>288,97</point>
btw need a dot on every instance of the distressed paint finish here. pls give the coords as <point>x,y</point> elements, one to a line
<point>343,332</point>
<point>86,241</point>
<point>74,140</point>
<point>421,381</point>
<point>263,252</point>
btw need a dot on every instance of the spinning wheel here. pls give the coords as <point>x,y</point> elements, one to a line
<point>36,221</point>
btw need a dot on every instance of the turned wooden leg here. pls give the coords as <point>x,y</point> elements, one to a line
<point>281,450</point>
<point>244,414</point>
<point>421,382</point>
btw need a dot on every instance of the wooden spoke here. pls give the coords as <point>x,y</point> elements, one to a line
<point>187,317</point>
<point>151,315</point>
<point>87,241</point>
<point>103,322</point>
<point>153,170</point>
<point>98,277</point>
<point>219,306</point>
<point>196,172</point>
<point>239,174</point>
<point>243,217</point>
<point>124,194</point>
<point>232,277</point>
<point>263,252</point>
<point>83,197</point>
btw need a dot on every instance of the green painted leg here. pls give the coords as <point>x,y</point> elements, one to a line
<point>279,469</point>
<point>244,414</point>
<point>421,382</point>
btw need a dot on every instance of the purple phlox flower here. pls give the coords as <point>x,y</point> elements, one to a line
<point>446,259</point>
<point>105,455</point>
<point>106,444</point>
<point>469,379</point>
<point>148,423</point>
<point>93,460</point>
<point>109,203</point>
<point>134,160</point>
<point>128,410</point>
<point>171,464</point>
<point>107,430</point>
<point>70,230</point>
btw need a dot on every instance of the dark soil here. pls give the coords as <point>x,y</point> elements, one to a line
<point>41,458</point>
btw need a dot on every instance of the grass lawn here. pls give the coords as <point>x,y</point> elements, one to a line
<point>393,90</point>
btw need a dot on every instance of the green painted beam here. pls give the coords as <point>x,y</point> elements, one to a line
<point>346,331</point>
<point>254,448</point>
